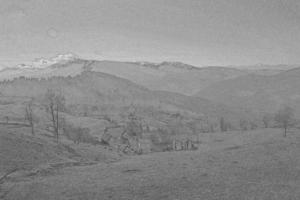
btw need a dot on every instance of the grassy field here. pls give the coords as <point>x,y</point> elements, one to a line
<point>232,165</point>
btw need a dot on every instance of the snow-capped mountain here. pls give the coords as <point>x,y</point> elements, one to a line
<point>41,63</point>
<point>166,76</point>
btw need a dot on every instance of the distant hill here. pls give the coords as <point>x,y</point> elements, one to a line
<point>168,99</point>
<point>281,67</point>
<point>92,94</point>
<point>167,76</point>
<point>258,93</point>
<point>242,89</point>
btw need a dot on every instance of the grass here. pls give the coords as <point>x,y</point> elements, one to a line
<point>255,165</point>
<point>19,149</point>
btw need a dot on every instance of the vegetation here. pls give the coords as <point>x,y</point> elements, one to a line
<point>79,134</point>
<point>55,103</point>
<point>285,118</point>
<point>223,125</point>
<point>267,118</point>
<point>29,115</point>
<point>101,100</point>
<point>243,124</point>
<point>93,111</point>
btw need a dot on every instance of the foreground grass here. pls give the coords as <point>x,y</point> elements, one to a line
<point>249,165</point>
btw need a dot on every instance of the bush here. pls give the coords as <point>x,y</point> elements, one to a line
<point>79,134</point>
<point>243,124</point>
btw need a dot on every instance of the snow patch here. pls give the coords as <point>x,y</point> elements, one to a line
<point>43,62</point>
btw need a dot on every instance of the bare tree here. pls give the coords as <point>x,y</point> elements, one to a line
<point>133,132</point>
<point>285,118</point>
<point>211,128</point>
<point>253,125</point>
<point>267,119</point>
<point>29,115</point>
<point>223,125</point>
<point>6,119</point>
<point>55,103</point>
<point>243,124</point>
<point>194,128</point>
<point>134,125</point>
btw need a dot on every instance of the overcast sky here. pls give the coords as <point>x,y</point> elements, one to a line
<point>199,32</point>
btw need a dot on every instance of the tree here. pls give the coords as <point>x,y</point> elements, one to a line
<point>29,115</point>
<point>211,128</point>
<point>78,134</point>
<point>193,125</point>
<point>267,119</point>
<point>55,103</point>
<point>223,125</point>
<point>253,125</point>
<point>243,124</point>
<point>6,119</point>
<point>133,132</point>
<point>134,126</point>
<point>285,118</point>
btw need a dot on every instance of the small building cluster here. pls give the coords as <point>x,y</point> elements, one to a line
<point>125,141</point>
<point>183,145</point>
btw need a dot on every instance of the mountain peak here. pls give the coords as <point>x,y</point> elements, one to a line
<point>41,63</point>
<point>60,58</point>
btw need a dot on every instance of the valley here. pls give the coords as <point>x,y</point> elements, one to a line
<point>85,129</point>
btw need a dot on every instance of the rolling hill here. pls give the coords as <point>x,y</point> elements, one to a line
<point>167,76</point>
<point>258,93</point>
<point>92,95</point>
<point>157,90</point>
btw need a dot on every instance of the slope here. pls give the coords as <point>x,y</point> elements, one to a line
<point>259,93</point>
<point>167,76</point>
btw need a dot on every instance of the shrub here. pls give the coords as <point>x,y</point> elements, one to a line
<point>285,118</point>
<point>79,134</point>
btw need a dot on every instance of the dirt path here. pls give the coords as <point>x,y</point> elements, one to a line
<point>264,170</point>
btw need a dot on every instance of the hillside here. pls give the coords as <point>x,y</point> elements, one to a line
<point>98,108</point>
<point>166,76</point>
<point>21,151</point>
<point>232,166</point>
<point>259,93</point>
<point>96,100</point>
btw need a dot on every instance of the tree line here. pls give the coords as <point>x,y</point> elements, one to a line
<point>54,104</point>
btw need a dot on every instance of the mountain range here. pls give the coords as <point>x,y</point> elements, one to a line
<point>158,90</point>
<point>166,76</point>
<point>258,93</point>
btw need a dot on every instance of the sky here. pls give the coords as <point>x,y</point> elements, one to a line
<point>198,32</point>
